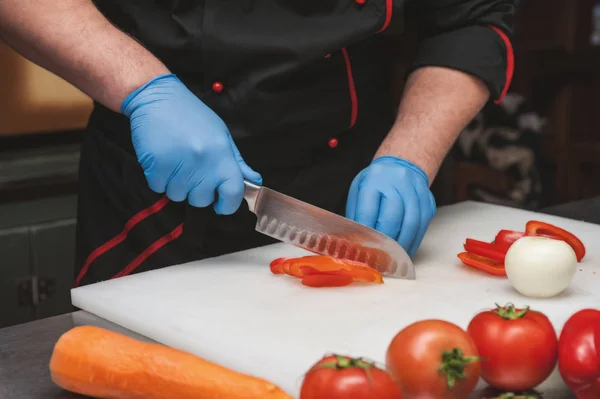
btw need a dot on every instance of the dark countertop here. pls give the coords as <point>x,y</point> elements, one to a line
<point>24,355</point>
<point>585,210</point>
<point>25,352</point>
<point>25,349</point>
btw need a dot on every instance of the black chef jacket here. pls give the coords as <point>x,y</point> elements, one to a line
<point>304,87</point>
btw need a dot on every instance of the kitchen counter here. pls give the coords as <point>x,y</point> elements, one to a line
<point>587,210</point>
<point>25,349</point>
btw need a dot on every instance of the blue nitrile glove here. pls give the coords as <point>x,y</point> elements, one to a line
<point>392,196</point>
<point>184,147</point>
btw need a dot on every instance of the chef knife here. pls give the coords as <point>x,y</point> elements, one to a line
<point>325,233</point>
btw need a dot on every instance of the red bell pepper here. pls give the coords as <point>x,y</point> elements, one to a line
<point>336,271</point>
<point>496,252</point>
<point>487,265</point>
<point>277,265</point>
<point>542,228</point>
<point>326,280</point>
<point>489,257</point>
<point>508,237</point>
<point>579,354</point>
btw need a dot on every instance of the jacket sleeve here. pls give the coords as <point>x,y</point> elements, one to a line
<point>473,36</point>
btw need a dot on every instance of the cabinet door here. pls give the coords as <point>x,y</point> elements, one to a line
<point>53,260</point>
<point>14,269</point>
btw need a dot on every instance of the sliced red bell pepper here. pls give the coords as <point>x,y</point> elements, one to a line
<point>542,228</point>
<point>496,252</point>
<point>579,354</point>
<point>356,275</point>
<point>326,265</point>
<point>326,280</point>
<point>508,237</point>
<point>281,266</point>
<point>487,265</point>
<point>276,265</point>
<point>335,278</point>
<point>489,257</point>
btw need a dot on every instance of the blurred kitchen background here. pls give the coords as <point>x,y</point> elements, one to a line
<point>538,148</point>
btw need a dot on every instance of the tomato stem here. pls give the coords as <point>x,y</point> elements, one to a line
<point>344,362</point>
<point>453,365</point>
<point>509,312</point>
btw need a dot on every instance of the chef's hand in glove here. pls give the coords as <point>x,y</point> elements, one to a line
<point>184,147</point>
<point>392,196</point>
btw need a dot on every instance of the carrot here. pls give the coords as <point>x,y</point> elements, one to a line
<point>103,364</point>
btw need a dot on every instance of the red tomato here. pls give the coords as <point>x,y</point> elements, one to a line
<point>579,354</point>
<point>342,377</point>
<point>519,347</point>
<point>434,359</point>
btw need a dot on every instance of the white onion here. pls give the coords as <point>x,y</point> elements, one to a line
<point>540,267</point>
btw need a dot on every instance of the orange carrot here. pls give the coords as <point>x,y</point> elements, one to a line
<point>103,364</point>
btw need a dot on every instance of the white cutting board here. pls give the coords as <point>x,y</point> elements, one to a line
<point>233,311</point>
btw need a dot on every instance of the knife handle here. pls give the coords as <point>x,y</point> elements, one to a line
<point>251,192</point>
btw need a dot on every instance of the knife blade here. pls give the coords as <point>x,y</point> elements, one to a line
<point>325,233</point>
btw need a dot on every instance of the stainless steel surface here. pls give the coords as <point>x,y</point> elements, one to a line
<point>319,231</point>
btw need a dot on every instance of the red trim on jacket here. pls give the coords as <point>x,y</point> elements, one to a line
<point>388,15</point>
<point>137,218</point>
<point>155,246</point>
<point>353,97</point>
<point>510,61</point>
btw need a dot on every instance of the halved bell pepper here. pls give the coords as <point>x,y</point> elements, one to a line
<point>541,228</point>
<point>487,265</point>
<point>323,265</point>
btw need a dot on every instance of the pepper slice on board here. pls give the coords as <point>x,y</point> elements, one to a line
<point>311,265</point>
<point>277,265</point>
<point>547,229</point>
<point>356,275</point>
<point>326,280</point>
<point>496,252</point>
<point>484,264</point>
<point>327,264</point>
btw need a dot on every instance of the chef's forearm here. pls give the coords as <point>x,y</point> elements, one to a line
<point>72,39</point>
<point>436,105</point>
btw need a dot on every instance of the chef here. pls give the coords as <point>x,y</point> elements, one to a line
<point>194,96</point>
